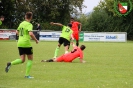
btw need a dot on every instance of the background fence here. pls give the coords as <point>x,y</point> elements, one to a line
<point>6,34</point>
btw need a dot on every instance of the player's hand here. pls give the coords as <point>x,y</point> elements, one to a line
<point>51,23</point>
<point>37,41</point>
<point>79,30</point>
<point>83,61</point>
<point>72,39</point>
<point>72,42</point>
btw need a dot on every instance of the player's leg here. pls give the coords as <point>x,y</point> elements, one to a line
<point>57,50</point>
<point>49,60</point>
<point>67,58</point>
<point>22,57</point>
<point>29,53</point>
<point>58,47</point>
<point>77,42</point>
<point>66,49</point>
<point>17,61</point>
<point>77,39</point>
<point>58,59</point>
<point>69,44</point>
<point>66,45</point>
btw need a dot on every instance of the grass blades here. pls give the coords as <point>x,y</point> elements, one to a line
<point>109,65</point>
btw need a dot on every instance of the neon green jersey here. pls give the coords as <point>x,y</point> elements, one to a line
<point>24,37</point>
<point>0,22</point>
<point>66,32</point>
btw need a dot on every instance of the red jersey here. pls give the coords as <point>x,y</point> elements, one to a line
<point>75,26</point>
<point>76,52</point>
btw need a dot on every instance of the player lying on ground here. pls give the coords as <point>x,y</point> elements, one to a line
<point>66,35</point>
<point>69,57</point>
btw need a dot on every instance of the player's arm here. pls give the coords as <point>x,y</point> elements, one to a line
<point>82,61</point>
<point>81,58</point>
<point>58,24</point>
<point>73,44</point>
<point>17,32</point>
<point>0,22</point>
<point>80,26</point>
<point>72,38</point>
<point>33,36</point>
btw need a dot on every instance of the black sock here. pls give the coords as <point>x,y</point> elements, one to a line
<point>77,44</point>
<point>50,60</point>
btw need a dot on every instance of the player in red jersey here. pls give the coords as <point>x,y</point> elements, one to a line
<point>69,57</point>
<point>76,27</point>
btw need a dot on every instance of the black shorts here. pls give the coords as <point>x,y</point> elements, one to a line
<point>23,50</point>
<point>63,41</point>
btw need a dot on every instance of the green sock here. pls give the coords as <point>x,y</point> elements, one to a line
<point>56,52</point>
<point>17,61</point>
<point>28,67</point>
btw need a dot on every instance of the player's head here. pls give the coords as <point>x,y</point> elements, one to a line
<point>38,24</point>
<point>28,15</point>
<point>69,25</point>
<point>72,20</point>
<point>2,18</point>
<point>82,47</point>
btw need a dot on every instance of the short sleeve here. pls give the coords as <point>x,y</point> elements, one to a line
<point>71,31</point>
<point>63,27</point>
<point>81,54</point>
<point>77,23</point>
<point>0,22</point>
<point>30,27</point>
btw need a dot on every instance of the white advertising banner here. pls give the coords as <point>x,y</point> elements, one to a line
<point>49,36</point>
<point>94,37</point>
<point>106,37</point>
<point>6,34</point>
<point>116,37</point>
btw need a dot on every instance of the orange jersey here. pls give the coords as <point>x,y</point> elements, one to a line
<point>69,57</point>
<point>76,35</point>
<point>75,26</point>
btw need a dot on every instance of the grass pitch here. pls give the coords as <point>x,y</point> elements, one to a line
<point>109,65</point>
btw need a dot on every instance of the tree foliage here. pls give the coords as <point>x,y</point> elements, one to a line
<point>44,11</point>
<point>105,19</point>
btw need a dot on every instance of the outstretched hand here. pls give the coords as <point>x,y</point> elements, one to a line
<point>83,61</point>
<point>37,41</point>
<point>51,23</point>
<point>79,30</point>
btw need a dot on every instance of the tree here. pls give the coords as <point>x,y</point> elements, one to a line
<point>44,11</point>
<point>105,19</point>
<point>7,10</point>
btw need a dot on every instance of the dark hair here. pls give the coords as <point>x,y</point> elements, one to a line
<point>28,15</point>
<point>70,25</point>
<point>1,16</point>
<point>82,47</point>
<point>72,18</point>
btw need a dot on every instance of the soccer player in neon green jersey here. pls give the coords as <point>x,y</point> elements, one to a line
<point>1,19</point>
<point>24,45</point>
<point>65,37</point>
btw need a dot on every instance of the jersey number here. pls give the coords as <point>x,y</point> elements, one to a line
<point>21,32</point>
<point>67,30</point>
<point>74,51</point>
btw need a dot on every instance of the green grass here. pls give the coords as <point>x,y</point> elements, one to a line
<point>109,65</point>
